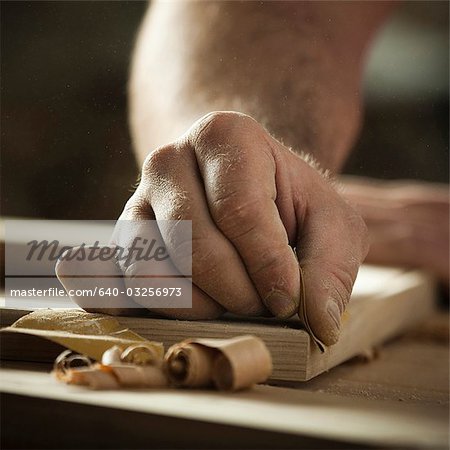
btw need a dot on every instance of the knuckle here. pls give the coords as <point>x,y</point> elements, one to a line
<point>236,216</point>
<point>205,261</point>
<point>195,254</point>
<point>363,233</point>
<point>214,126</point>
<point>158,161</point>
<point>359,233</point>
<point>180,250</point>
<point>134,208</point>
<point>342,280</point>
<point>271,263</point>
<point>359,224</point>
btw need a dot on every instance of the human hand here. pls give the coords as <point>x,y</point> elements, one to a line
<point>252,201</point>
<point>408,222</point>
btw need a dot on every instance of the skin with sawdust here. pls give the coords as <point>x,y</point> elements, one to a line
<point>270,93</point>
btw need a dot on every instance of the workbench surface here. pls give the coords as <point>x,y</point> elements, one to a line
<point>400,398</point>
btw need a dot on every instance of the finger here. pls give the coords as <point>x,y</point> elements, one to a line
<point>178,195</point>
<point>332,245</point>
<point>88,272</point>
<point>138,279</point>
<point>202,306</point>
<point>239,171</point>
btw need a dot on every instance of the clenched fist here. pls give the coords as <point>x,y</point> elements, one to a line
<point>258,211</point>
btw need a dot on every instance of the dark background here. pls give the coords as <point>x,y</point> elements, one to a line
<point>65,146</point>
<point>66,150</point>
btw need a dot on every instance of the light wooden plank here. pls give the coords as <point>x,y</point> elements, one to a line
<point>385,303</point>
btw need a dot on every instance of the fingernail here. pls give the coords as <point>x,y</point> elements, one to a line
<point>280,304</point>
<point>335,314</point>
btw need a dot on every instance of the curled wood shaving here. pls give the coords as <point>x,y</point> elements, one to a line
<point>67,361</point>
<point>140,354</point>
<point>226,364</point>
<point>114,371</point>
<point>94,377</point>
<point>190,365</point>
<point>303,314</point>
<point>140,376</point>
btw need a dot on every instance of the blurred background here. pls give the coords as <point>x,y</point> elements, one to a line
<point>66,151</point>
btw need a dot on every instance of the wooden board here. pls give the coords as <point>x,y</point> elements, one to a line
<point>410,375</point>
<point>385,303</point>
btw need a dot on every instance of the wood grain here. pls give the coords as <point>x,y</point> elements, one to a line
<point>389,302</point>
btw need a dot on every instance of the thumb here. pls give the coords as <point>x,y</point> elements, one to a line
<point>332,244</point>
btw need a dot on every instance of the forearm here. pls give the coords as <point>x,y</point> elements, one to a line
<point>295,66</point>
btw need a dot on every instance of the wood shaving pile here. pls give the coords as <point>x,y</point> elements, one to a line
<point>226,364</point>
